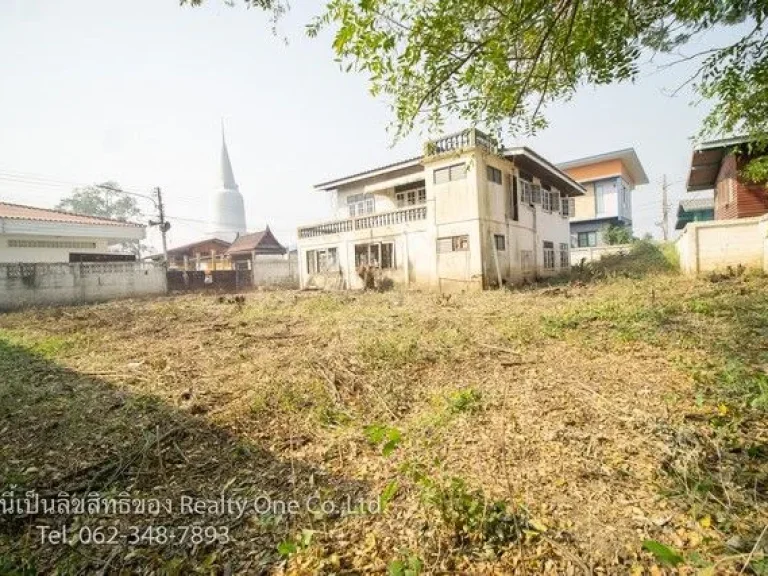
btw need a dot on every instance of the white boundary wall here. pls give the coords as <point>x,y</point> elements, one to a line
<point>276,271</point>
<point>706,246</point>
<point>43,284</point>
<point>596,252</point>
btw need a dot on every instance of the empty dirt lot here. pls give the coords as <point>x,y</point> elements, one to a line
<point>611,426</point>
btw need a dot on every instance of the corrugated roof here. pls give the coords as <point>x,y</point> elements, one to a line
<point>697,204</point>
<point>706,160</point>
<point>21,212</point>
<point>336,182</point>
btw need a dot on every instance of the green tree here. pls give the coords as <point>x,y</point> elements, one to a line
<point>617,234</point>
<point>499,63</point>
<point>102,202</point>
<point>99,201</point>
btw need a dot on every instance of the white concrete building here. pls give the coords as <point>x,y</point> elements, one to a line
<point>465,215</point>
<point>37,235</point>
<point>227,206</point>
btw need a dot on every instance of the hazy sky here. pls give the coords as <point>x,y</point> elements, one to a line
<point>134,91</point>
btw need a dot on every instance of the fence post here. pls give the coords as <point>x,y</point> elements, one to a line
<point>253,268</point>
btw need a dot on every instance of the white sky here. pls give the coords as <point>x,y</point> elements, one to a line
<point>92,90</point>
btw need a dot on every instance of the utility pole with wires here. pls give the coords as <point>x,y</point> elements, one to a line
<point>157,199</point>
<point>664,224</point>
<point>162,224</point>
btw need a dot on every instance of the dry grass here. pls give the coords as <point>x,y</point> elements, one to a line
<point>539,431</point>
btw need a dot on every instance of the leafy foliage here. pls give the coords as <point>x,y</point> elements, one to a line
<point>499,63</point>
<point>465,400</point>
<point>618,234</point>
<point>101,202</point>
<point>662,553</point>
<point>470,517</point>
<point>389,438</point>
<point>104,203</point>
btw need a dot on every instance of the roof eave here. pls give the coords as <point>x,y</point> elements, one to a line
<point>524,150</point>
<point>334,184</point>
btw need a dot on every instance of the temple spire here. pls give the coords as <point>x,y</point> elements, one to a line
<point>227,206</point>
<point>227,176</point>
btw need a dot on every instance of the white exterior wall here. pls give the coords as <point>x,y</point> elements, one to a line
<point>29,230</point>
<point>528,234</point>
<point>50,255</point>
<point>472,206</point>
<point>24,285</point>
<point>706,246</point>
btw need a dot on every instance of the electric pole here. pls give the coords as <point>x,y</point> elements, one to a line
<point>157,200</point>
<point>163,225</point>
<point>664,224</point>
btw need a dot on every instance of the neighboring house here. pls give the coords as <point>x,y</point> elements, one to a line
<point>694,210</point>
<point>717,165</point>
<point>208,254</point>
<point>464,215</point>
<point>39,235</point>
<point>217,254</point>
<point>256,246</point>
<point>608,180</point>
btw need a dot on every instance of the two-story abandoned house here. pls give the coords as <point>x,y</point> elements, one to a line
<point>464,215</point>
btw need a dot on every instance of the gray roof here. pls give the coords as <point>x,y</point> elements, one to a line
<point>697,204</point>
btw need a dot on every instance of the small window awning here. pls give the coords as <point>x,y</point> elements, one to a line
<point>401,181</point>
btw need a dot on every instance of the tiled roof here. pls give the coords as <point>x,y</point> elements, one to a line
<point>263,242</point>
<point>191,246</point>
<point>20,212</point>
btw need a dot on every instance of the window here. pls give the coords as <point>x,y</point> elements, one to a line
<point>453,244</point>
<point>626,198</point>
<point>450,173</point>
<point>567,206</point>
<point>565,260</point>
<point>360,204</point>
<point>554,201</point>
<point>500,241</point>
<point>410,194</point>
<point>381,255</point>
<point>411,197</point>
<point>322,260</point>
<point>512,201</point>
<point>535,194</point>
<point>494,174</point>
<point>50,244</point>
<point>525,191</point>
<point>546,200</point>
<point>602,191</point>
<point>531,193</point>
<point>549,256</point>
<point>587,239</point>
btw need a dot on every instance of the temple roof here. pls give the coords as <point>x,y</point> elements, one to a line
<point>262,242</point>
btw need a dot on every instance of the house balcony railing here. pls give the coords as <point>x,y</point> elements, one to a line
<point>469,138</point>
<point>402,216</point>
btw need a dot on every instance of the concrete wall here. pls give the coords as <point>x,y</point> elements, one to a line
<point>49,284</point>
<point>594,254</point>
<point>705,246</point>
<point>276,271</point>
